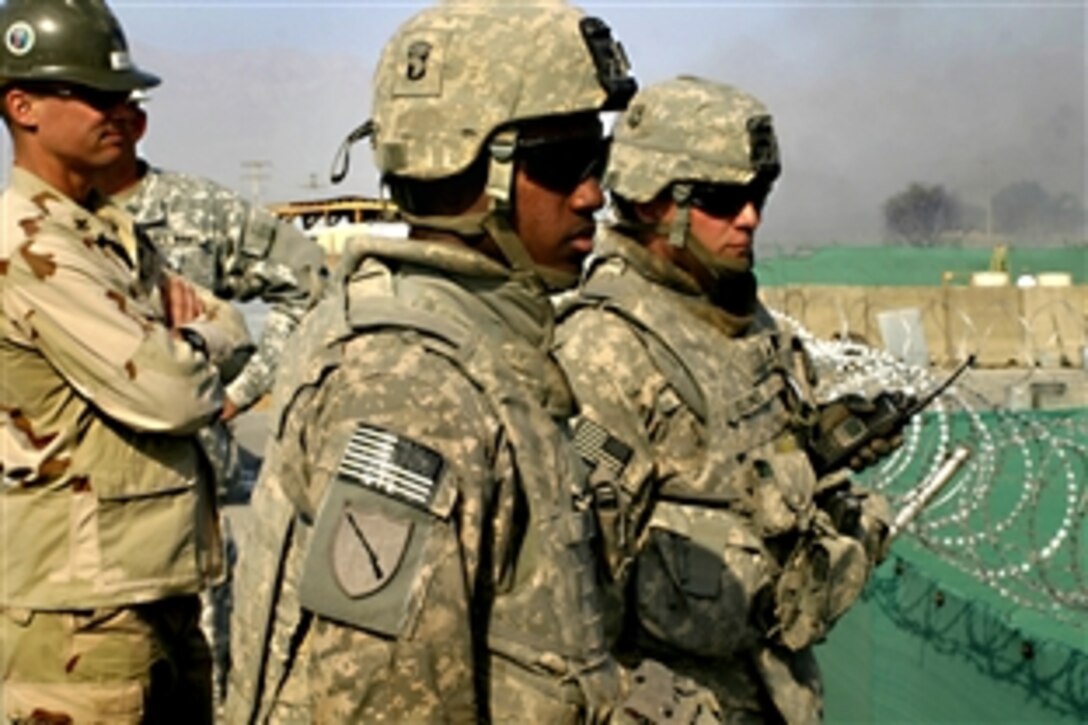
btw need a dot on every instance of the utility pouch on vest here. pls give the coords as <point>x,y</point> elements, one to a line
<point>873,524</point>
<point>366,563</point>
<point>825,575</point>
<point>699,574</point>
<point>779,490</point>
<point>620,483</point>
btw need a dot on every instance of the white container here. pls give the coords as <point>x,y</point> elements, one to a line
<point>1055,279</point>
<point>989,279</point>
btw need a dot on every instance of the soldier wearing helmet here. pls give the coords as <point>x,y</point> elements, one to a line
<point>107,514</point>
<point>695,410</point>
<point>423,550</point>
<point>218,240</point>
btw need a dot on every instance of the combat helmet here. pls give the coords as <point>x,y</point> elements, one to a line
<point>689,131</point>
<point>72,41</point>
<point>456,80</point>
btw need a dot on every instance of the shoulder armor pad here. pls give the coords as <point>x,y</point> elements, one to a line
<point>387,312</point>
<point>611,294</point>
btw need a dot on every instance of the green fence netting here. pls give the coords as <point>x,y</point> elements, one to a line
<point>896,266</point>
<point>981,612</point>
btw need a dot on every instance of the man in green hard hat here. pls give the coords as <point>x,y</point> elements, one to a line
<point>108,527</point>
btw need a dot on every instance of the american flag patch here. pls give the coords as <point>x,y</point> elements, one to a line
<point>598,448</point>
<point>391,465</point>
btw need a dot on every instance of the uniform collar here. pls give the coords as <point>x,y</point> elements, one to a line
<point>517,298</point>
<point>57,206</point>
<point>131,198</point>
<point>447,257</point>
<point>614,244</point>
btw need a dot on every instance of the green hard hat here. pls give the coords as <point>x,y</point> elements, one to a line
<point>72,41</point>
<point>455,73</point>
<point>690,130</point>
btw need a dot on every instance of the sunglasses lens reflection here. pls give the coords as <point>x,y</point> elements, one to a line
<point>563,165</point>
<point>728,200</point>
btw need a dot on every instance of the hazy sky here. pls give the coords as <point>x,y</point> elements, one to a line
<point>867,97</point>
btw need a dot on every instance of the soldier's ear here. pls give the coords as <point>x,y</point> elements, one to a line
<point>139,124</point>
<point>20,108</point>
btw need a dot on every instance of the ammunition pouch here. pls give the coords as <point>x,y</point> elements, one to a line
<point>828,567</point>
<point>699,576</point>
<point>824,576</point>
<point>778,491</point>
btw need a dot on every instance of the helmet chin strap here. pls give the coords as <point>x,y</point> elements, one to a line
<point>733,283</point>
<point>499,219</point>
<point>680,229</point>
<point>680,236</point>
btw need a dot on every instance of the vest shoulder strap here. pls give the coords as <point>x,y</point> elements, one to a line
<point>618,297</point>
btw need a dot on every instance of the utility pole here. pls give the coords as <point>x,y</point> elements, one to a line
<point>987,165</point>
<point>990,219</point>
<point>256,172</point>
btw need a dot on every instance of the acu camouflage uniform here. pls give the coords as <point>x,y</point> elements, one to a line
<point>694,419</point>
<point>107,511</point>
<point>424,548</point>
<point>424,553</point>
<point>212,236</point>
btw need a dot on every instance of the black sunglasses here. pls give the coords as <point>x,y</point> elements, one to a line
<point>93,97</point>
<point>562,164</point>
<point>728,200</point>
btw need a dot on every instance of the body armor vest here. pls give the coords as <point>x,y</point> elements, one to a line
<point>748,393</point>
<point>547,620</point>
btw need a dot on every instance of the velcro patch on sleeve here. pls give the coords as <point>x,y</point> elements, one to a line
<point>598,447</point>
<point>392,465</point>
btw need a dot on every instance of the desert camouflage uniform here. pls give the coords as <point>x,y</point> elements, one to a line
<point>108,525</point>
<point>212,236</point>
<point>694,420</point>
<point>423,553</point>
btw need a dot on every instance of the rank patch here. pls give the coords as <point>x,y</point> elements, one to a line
<point>598,448</point>
<point>391,465</point>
